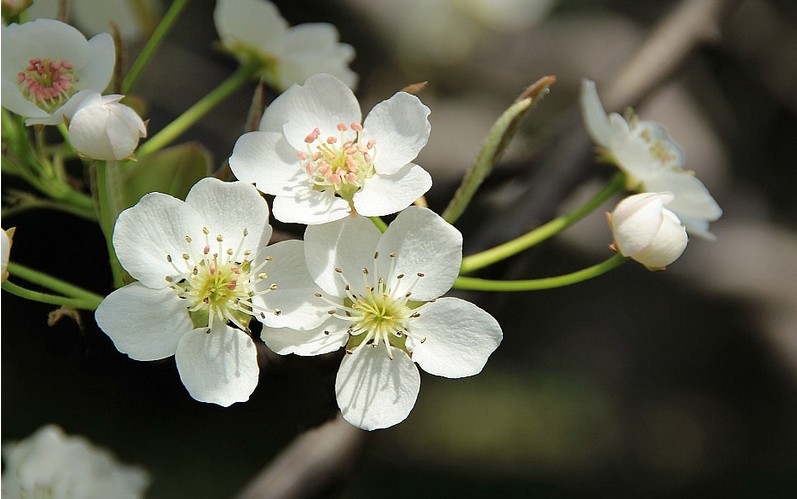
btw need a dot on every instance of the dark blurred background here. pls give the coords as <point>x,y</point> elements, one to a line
<point>636,384</point>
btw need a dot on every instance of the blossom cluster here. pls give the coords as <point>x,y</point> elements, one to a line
<point>199,278</point>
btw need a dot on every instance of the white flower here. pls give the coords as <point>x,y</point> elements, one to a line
<point>651,161</point>
<point>377,295</point>
<point>321,163</point>
<point>53,465</point>
<point>254,29</point>
<point>6,240</point>
<point>200,266</point>
<point>646,231</point>
<point>48,66</point>
<point>102,128</point>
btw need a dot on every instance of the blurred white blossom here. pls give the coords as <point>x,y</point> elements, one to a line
<point>6,241</point>
<point>322,163</point>
<point>646,231</point>
<point>134,18</point>
<point>378,295</point>
<point>103,128</point>
<point>50,464</point>
<point>254,29</point>
<point>49,66</point>
<point>651,160</point>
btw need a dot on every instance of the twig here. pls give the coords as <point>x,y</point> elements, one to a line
<point>311,464</point>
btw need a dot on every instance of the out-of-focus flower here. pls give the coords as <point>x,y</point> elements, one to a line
<point>49,66</point>
<point>51,464</point>
<point>651,160</point>
<point>377,295</point>
<point>254,29</point>
<point>103,128</point>
<point>321,163</point>
<point>198,263</point>
<point>134,18</point>
<point>444,32</point>
<point>646,231</point>
<point>6,241</point>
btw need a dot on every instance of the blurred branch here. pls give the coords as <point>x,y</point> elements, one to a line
<point>534,194</point>
<point>311,464</point>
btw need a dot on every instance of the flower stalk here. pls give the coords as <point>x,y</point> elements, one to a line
<point>74,296</point>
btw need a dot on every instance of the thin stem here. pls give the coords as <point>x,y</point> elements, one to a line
<point>193,114</point>
<point>107,217</point>
<point>155,40</point>
<point>380,224</point>
<point>28,294</point>
<point>541,233</point>
<point>51,283</point>
<point>476,284</point>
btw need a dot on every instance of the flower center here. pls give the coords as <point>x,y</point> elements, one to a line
<point>47,83</point>
<point>219,285</point>
<point>380,313</point>
<point>341,162</point>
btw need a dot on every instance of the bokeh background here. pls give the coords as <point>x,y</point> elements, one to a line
<point>636,384</point>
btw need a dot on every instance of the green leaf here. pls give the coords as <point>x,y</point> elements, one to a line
<point>171,171</point>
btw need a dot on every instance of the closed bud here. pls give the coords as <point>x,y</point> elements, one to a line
<point>102,128</point>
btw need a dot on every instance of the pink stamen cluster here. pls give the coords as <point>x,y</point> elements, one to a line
<point>47,83</point>
<point>338,162</point>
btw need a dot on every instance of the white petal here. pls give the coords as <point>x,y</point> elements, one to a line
<point>144,323</point>
<point>43,39</point>
<point>668,246</point>
<point>423,243</point>
<point>313,48</point>
<point>253,23</point>
<point>326,338</point>
<point>151,230</point>
<point>96,74</point>
<point>637,219</point>
<point>692,199</point>
<point>267,160</point>
<point>347,244</point>
<point>630,151</point>
<point>229,209</point>
<point>322,102</point>
<point>219,366</point>
<point>387,194</point>
<point>310,207</point>
<point>400,128</point>
<point>594,115</point>
<point>459,338</point>
<point>374,391</point>
<point>294,297</point>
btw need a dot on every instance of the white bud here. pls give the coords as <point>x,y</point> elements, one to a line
<point>102,128</point>
<point>646,231</point>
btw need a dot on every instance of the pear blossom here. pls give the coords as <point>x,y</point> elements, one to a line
<point>49,66</point>
<point>201,270</point>
<point>322,163</point>
<point>646,231</point>
<point>6,240</point>
<point>133,18</point>
<point>651,160</point>
<point>254,29</point>
<point>377,295</point>
<point>103,128</point>
<point>51,464</point>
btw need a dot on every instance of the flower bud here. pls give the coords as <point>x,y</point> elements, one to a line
<point>102,128</point>
<point>646,231</point>
<point>6,240</point>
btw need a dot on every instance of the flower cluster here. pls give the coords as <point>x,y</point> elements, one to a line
<point>50,463</point>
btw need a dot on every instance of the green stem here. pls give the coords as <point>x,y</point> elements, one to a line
<point>28,294</point>
<point>155,40</point>
<point>51,283</point>
<point>193,114</point>
<point>541,233</point>
<point>476,284</point>
<point>380,224</point>
<point>107,215</point>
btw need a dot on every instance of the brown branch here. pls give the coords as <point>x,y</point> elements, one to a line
<point>311,464</point>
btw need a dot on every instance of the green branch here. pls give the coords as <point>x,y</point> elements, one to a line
<point>541,233</point>
<point>476,284</point>
<point>52,283</point>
